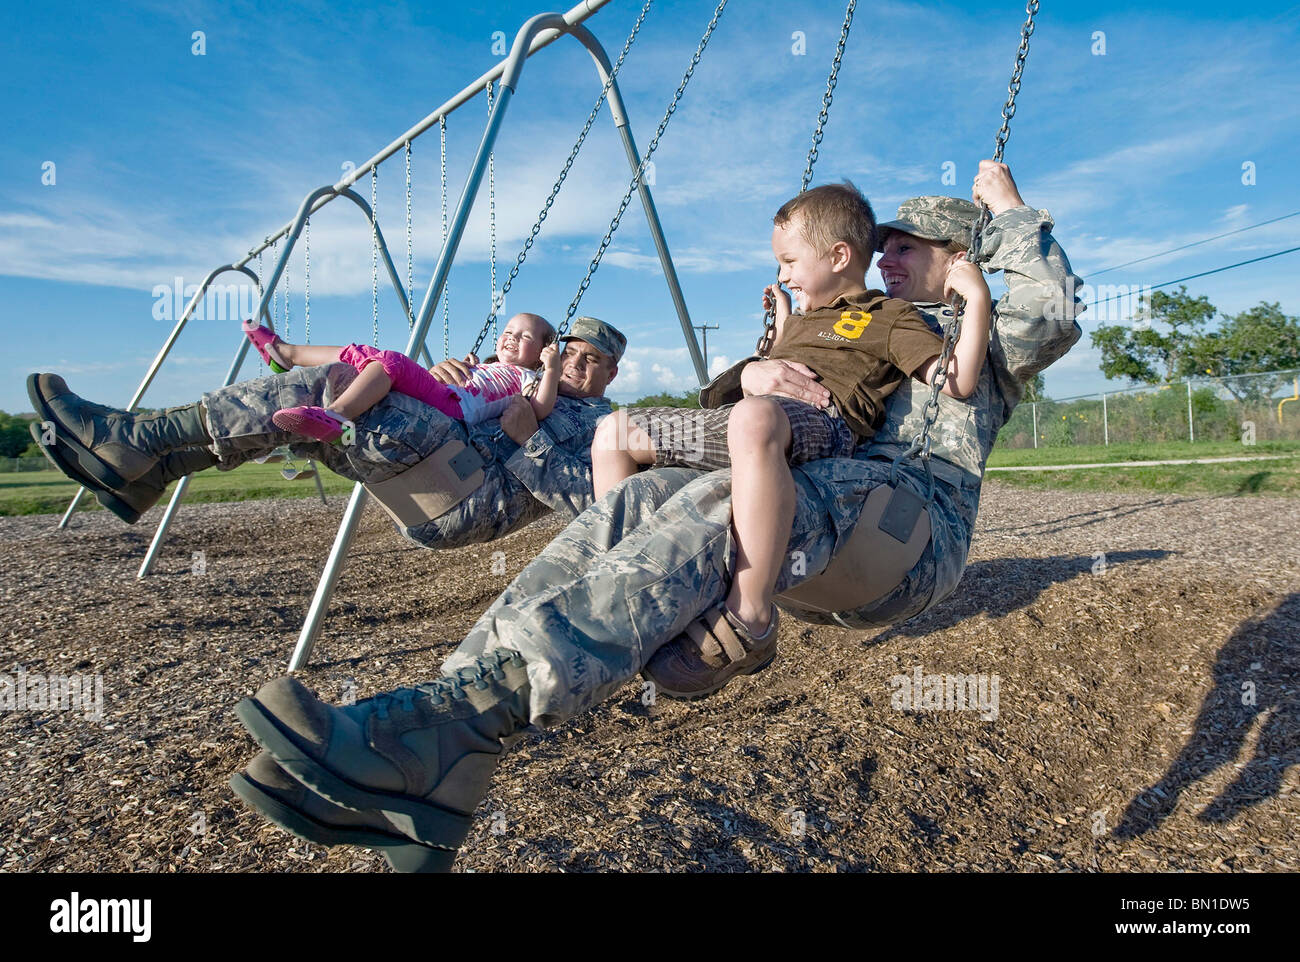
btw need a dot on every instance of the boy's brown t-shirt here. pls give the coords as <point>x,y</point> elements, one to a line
<point>862,346</point>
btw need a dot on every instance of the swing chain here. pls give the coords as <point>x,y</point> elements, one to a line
<point>829,95</point>
<point>275,295</point>
<point>1008,111</point>
<point>1013,88</point>
<point>564,172</point>
<point>261,279</point>
<point>921,444</point>
<point>410,256</point>
<point>287,325</point>
<point>768,338</point>
<point>374,253</point>
<point>636,177</point>
<point>306,283</point>
<point>446,291</point>
<point>492,220</point>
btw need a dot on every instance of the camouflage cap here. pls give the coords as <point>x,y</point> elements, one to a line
<point>932,218</point>
<point>598,334</point>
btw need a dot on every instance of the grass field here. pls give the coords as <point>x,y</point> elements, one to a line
<point>1280,478</point>
<point>48,492</point>
<point>1101,453</point>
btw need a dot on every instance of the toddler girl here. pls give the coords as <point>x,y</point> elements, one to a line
<point>525,346</point>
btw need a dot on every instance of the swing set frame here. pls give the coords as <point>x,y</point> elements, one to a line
<point>536,33</point>
<point>895,520</point>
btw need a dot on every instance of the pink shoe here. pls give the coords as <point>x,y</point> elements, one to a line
<point>264,339</point>
<point>311,422</point>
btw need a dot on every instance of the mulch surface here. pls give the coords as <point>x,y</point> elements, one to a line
<point>1146,649</point>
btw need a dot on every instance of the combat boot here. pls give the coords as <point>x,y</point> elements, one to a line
<point>421,757</point>
<point>129,502</point>
<point>107,449</point>
<point>265,787</point>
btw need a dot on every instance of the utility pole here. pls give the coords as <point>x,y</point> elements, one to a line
<point>704,329</point>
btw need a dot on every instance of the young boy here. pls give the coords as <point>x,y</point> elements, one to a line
<point>859,343</point>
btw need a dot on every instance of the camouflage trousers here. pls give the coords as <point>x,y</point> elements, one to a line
<point>633,570</point>
<point>392,436</point>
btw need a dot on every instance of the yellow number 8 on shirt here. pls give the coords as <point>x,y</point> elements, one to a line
<point>851,324</point>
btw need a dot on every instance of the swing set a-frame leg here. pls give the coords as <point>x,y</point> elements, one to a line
<point>166,348</point>
<point>314,200</point>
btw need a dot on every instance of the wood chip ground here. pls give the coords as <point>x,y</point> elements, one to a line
<point>1147,650</point>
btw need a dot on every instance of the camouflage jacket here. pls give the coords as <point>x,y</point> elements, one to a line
<point>550,471</point>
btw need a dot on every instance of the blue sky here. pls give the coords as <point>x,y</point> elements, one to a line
<point>168,163</point>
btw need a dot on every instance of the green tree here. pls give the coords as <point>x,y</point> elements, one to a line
<point>14,436</point>
<point>1034,389</point>
<point>1147,353</point>
<point>687,399</point>
<point>1256,340</point>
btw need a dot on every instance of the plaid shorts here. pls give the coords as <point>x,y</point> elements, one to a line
<point>690,438</point>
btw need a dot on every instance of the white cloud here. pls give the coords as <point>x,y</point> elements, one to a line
<point>628,381</point>
<point>696,260</point>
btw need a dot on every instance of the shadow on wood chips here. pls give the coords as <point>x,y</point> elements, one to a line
<point>1144,651</point>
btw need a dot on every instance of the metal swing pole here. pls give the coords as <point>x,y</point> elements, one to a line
<point>357,502</point>
<point>510,74</point>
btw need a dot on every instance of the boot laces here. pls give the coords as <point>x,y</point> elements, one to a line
<point>452,687</point>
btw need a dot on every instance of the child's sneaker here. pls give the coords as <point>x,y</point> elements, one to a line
<point>312,422</point>
<point>264,340</point>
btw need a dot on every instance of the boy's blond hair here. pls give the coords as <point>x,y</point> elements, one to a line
<point>832,213</point>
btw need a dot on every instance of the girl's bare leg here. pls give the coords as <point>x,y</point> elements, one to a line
<point>370,387</point>
<point>308,355</point>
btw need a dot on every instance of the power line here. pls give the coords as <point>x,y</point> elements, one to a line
<point>1192,277</point>
<point>1206,240</point>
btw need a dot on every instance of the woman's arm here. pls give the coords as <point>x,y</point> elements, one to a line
<point>1035,317</point>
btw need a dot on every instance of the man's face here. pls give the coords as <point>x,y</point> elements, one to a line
<point>585,370</point>
<point>807,274</point>
<point>914,269</point>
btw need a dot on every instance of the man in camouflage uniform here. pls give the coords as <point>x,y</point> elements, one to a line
<point>631,572</point>
<point>528,467</point>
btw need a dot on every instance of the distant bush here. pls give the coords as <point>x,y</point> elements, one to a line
<point>687,399</point>
<point>1153,416</point>
<point>15,439</point>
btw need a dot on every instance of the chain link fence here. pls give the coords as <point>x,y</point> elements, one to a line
<point>12,465</point>
<point>1245,407</point>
